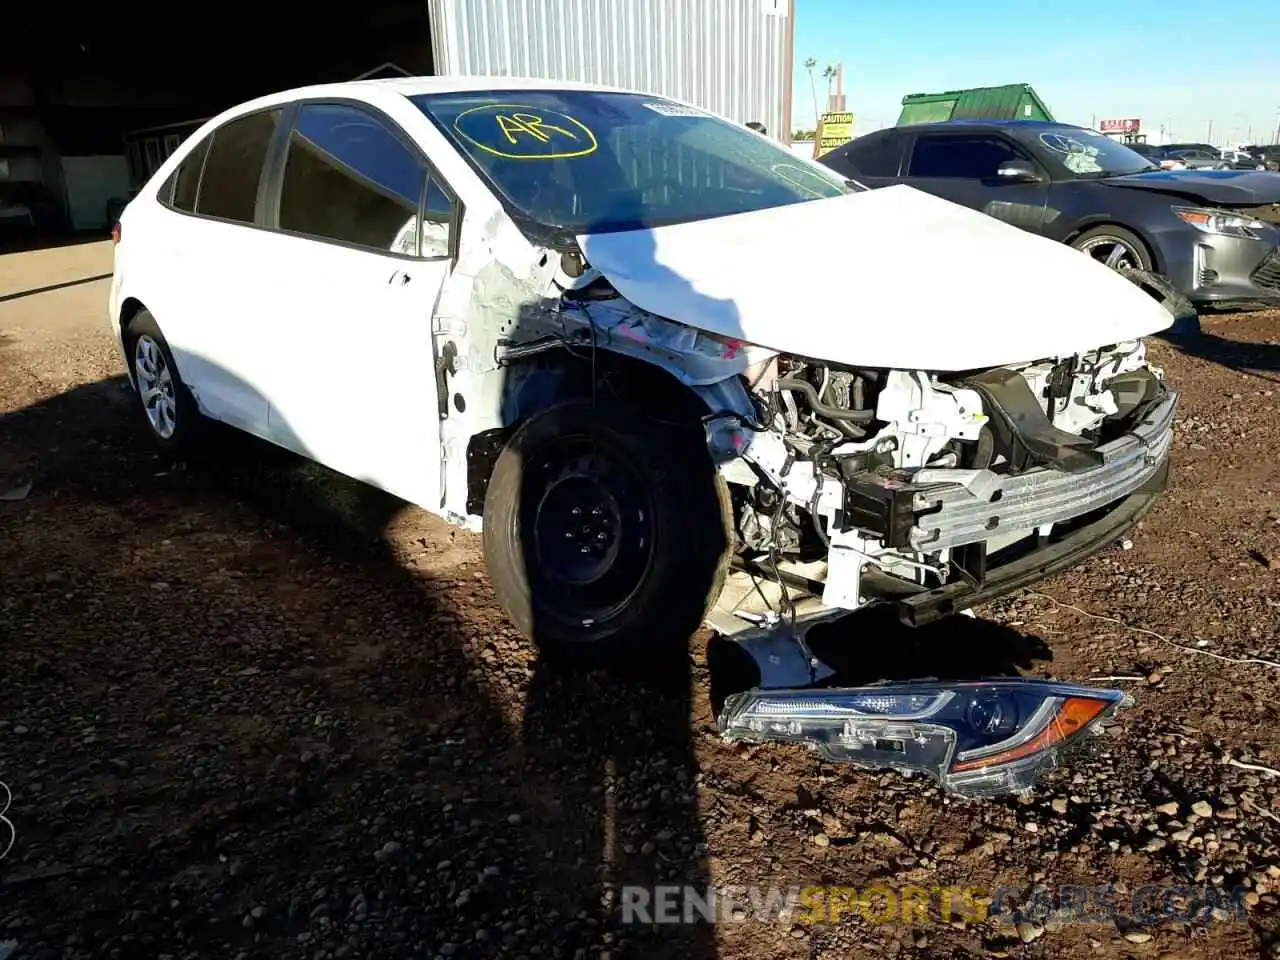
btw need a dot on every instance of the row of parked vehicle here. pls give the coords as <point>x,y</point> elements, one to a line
<point>1204,156</point>
<point>1213,233</point>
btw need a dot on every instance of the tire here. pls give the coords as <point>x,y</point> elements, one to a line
<point>170,412</point>
<point>626,580</point>
<point>1101,242</point>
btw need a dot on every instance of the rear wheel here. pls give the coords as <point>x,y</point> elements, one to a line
<point>1115,247</point>
<point>607,536</point>
<point>170,411</point>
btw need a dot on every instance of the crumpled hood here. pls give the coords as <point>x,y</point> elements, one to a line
<point>883,278</point>
<point>1235,188</point>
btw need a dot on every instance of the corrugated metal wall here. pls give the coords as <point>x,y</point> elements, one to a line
<point>731,57</point>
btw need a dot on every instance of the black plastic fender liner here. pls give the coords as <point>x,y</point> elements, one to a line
<point>1186,321</point>
<point>1024,430</point>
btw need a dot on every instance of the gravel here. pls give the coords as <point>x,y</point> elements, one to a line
<point>321,739</point>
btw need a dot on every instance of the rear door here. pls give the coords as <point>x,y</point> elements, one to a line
<point>961,167</point>
<point>874,159</point>
<point>208,299</point>
<point>365,238</point>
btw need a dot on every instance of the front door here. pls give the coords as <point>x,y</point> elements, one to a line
<point>362,248</point>
<point>961,167</point>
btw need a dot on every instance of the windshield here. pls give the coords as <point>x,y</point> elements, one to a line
<point>590,162</point>
<point>1086,154</point>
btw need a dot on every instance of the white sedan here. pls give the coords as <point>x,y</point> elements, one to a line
<point>646,347</point>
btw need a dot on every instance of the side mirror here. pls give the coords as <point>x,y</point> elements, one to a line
<point>1018,171</point>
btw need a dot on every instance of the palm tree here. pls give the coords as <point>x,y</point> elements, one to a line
<point>809,64</point>
<point>829,74</point>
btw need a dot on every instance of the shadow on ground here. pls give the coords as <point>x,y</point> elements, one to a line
<point>251,706</point>
<point>1255,359</point>
<point>240,717</point>
<point>21,241</point>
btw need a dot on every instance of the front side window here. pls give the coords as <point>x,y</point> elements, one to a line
<point>959,157</point>
<point>229,186</point>
<point>584,161</point>
<point>349,178</point>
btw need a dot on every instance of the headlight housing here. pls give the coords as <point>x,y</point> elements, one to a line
<point>1222,223</point>
<point>975,738</point>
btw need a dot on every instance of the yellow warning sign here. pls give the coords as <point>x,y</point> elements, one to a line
<point>834,130</point>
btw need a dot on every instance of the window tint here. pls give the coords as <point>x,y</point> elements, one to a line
<point>229,187</point>
<point>874,156</point>
<point>187,179</point>
<point>970,158</point>
<point>348,177</point>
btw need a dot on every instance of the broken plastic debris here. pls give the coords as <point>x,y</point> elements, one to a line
<point>976,739</point>
<point>16,493</point>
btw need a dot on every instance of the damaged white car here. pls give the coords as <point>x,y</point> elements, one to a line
<point>676,373</point>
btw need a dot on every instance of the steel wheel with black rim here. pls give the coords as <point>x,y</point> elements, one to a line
<point>607,537</point>
<point>170,410</point>
<point>1115,247</point>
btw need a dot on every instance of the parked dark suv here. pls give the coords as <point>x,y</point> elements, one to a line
<point>1215,234</point>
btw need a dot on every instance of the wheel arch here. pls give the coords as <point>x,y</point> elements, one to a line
<point>129,309</point>
<point>559,376</point>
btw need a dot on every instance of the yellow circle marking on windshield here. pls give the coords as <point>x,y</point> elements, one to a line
<point>517,131</point>
<point>781,170</point>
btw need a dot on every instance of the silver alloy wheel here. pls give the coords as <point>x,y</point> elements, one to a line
<point>1113,252</point>
<point>155,386</point>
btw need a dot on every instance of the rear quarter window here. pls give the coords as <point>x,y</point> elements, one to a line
<point>186,181</point>
<point>233,168</point>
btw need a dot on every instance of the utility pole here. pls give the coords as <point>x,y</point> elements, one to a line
<point>1209,138</point>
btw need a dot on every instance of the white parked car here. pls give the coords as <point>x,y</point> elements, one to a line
<point>645,349</point>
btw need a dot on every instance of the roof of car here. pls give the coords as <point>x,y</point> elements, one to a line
<point>1003,124</point>
<point>417,86</point>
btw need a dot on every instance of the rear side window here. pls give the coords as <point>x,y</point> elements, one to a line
<point>229,187</point>
<point>872,156</point>
<point>967,158</point>
<point>187,180</point>
<point>348,177</point>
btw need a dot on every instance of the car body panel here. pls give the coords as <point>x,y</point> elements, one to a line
<point>1211,270</point>
<point>745,278</point>
<point>1219,187</point>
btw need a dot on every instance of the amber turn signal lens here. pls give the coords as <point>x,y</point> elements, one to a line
<point>1073,716</point>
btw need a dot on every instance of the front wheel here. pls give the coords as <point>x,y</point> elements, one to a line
<point>1115,247</point>
<point>607,535</point>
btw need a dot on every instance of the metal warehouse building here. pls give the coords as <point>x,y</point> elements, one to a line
<point>94,98</point>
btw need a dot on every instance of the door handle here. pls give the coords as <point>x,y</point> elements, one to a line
<point>399,279</point>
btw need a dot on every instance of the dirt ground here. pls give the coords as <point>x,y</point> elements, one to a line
<point>252,709</point>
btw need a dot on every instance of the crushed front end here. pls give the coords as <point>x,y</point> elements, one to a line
<point>934,492</point>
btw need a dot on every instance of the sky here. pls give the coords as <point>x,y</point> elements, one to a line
<point>1177,64</point>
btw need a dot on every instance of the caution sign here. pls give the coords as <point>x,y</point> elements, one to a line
<point>834,130</point>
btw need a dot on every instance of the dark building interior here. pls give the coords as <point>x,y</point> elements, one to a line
<point>96,83</point>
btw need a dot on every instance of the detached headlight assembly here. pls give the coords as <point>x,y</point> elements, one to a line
<point>976,739</point>
<point>1221,222</point>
